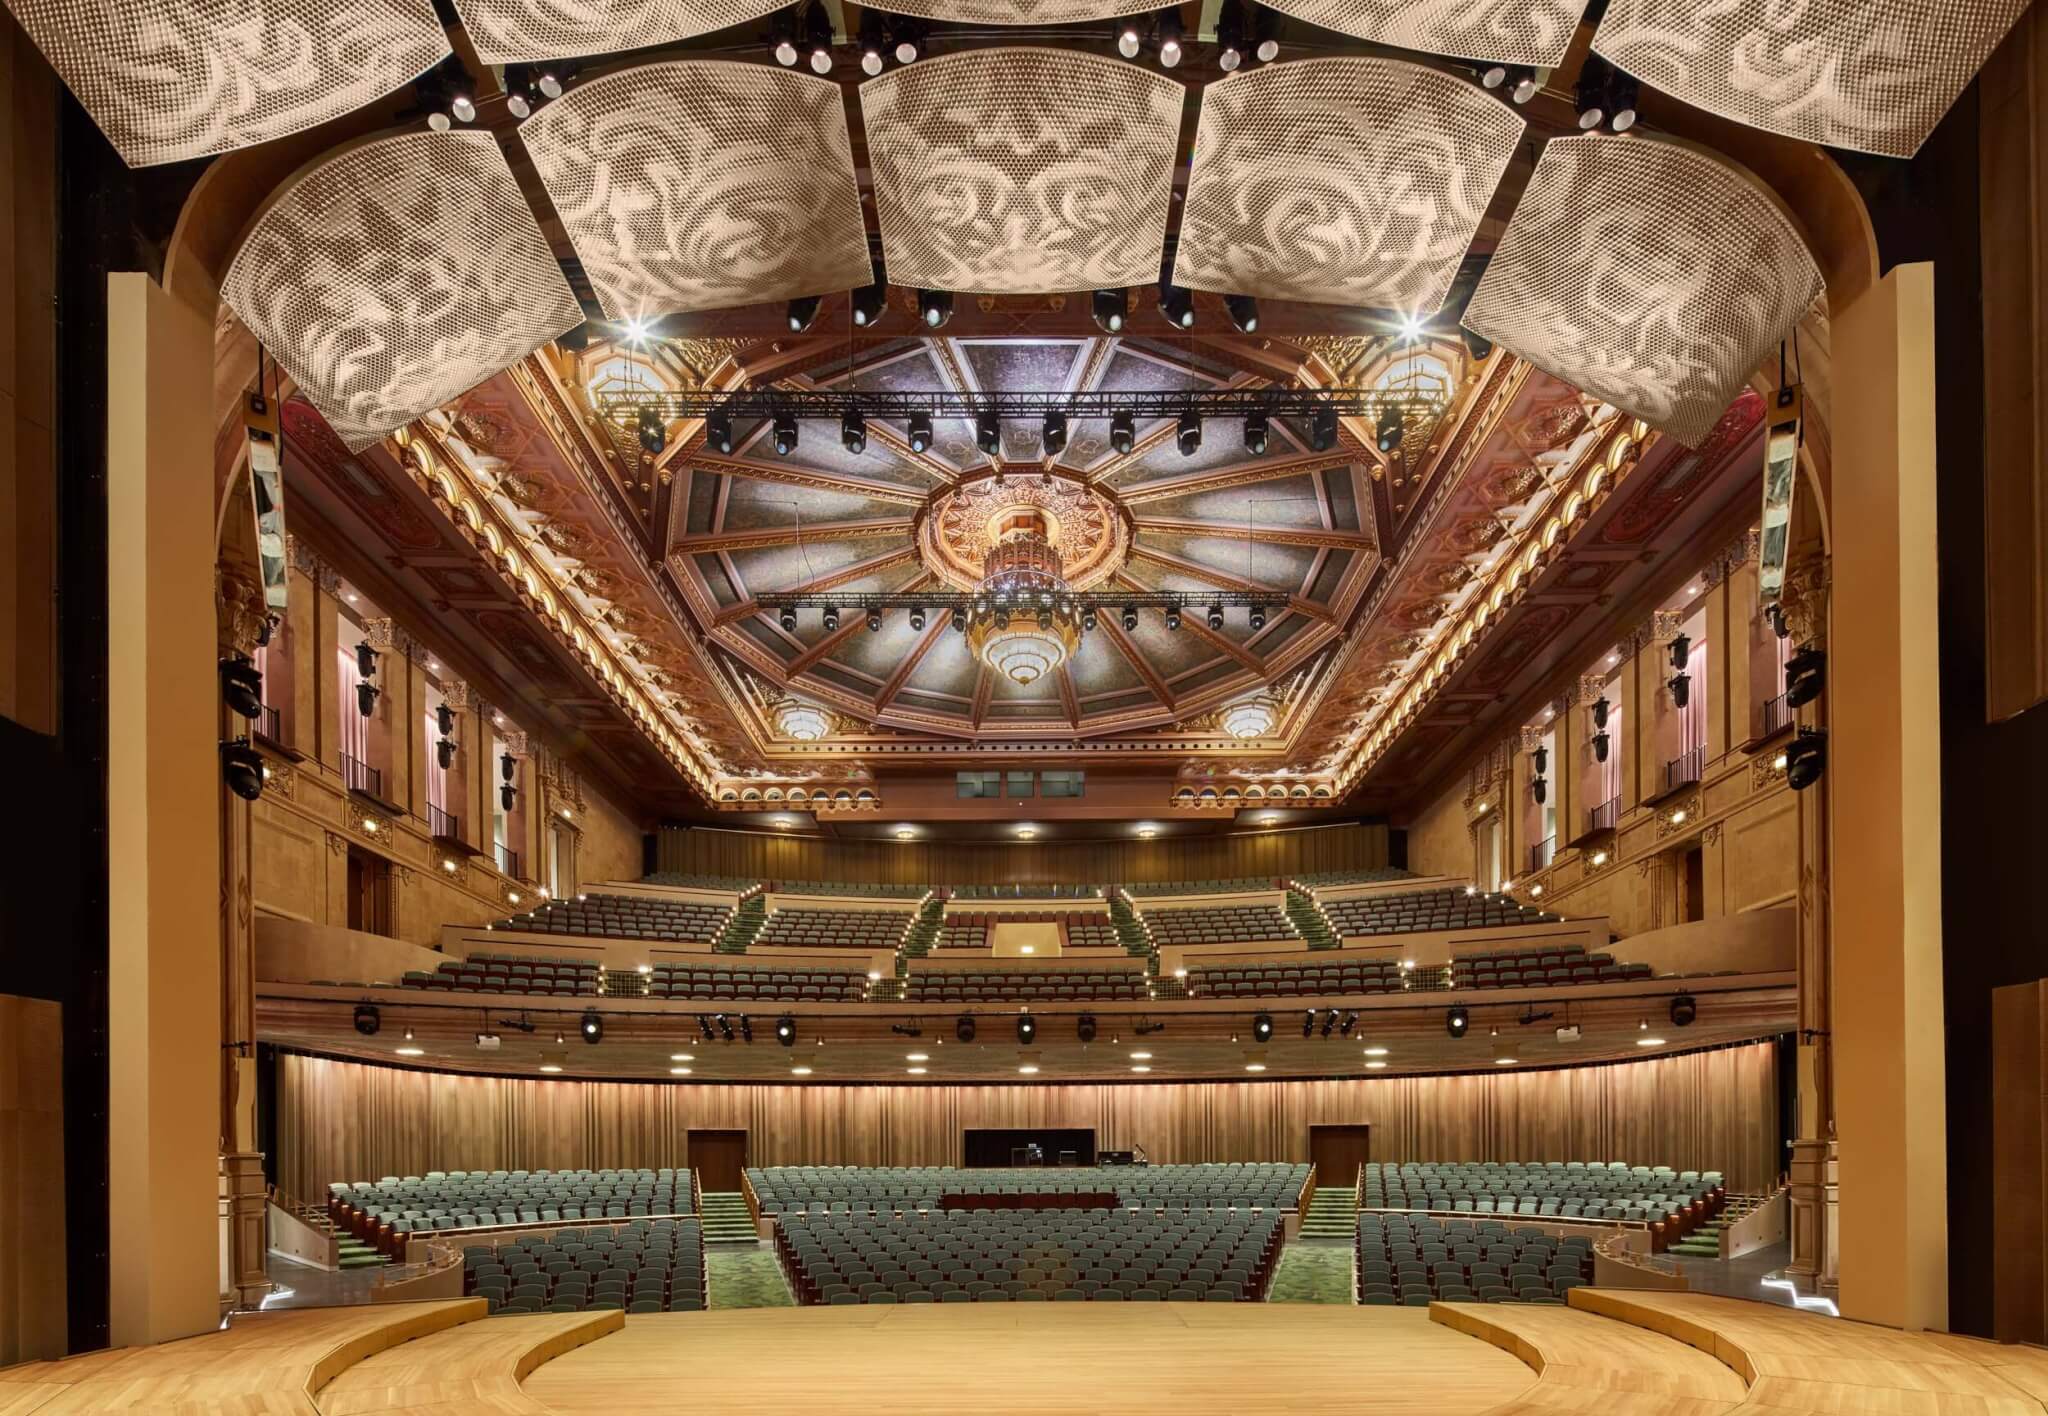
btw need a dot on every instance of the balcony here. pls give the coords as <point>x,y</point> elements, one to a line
<point>1775,718</point>
<point>1683,770</point>
<point>270,724</point>
<point>1540,854</point>
<point>441,826</point>
<point>359,776</point>
<point>508,861</point>
<point>1605,816</point>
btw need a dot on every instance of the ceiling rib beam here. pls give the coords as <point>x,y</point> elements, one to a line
<point>1297,603</point>
<point>763,537</point>
<point>1242,475</point>
<point>1138,662</point>
<point>1266,535</point>
<point>853,624</point>
<point>859,570</point>
<point>1067,699</point>
<point>789,474</point>
<point>941,625</point>
<point>1195,624</point>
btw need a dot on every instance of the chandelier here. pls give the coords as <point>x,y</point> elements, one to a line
<point>1022,621</point>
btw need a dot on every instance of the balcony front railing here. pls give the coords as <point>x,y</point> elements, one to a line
<point>441,825</point>
<point>269,723</point>
<point>1541,853</point>
<point>1604,816</point>
<point>1777,716</point>
<point>508,861</point>
<point>359,776</point>
<point>1684,769</point>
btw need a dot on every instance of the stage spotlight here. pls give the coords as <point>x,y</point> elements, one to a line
<point>1188,435</point>
<point>1683,1011</point>
<point>506,796</point>
<point>1215,616</point>
<point>830,619</point>
<point>871,42</point>
<point>818,37</point>
<point>963,1028</point>
<point>1111,308</point>
<point>718,431</point>
<point>871,302</point>
<point>1123,432</point>
<point>1322,428</point>
<point>787,618</point>
<point>785,1030</point>
<point>1308,1024</point>
<point>1244,312</point>
<point>704,1027</point>
<point>368,1019</point>
<point>784,47</point>
<point>1128,40</point>
<point>785,433</point>
<point>1230,36</point>
<point>444,753</point>
<point>934,307</point>
<point>1265,43</point>
<point>1257,618</point>
<point>1088,620</point>
<point>1806,758</point>
<point>746,1028</point>
<point>1084,1027</point>
<point>1262,1028</point>
<point>1054,432</point>
<point>1172,616</point>
<point>917,617</point>
<point>1681,689</point>
<point>366,698</point>
<point>593,1026</point>
<point>1602,744</point>
<point>908,35</point>
<point>1129,616</point>
<point>1350,1022</point>
<point>1476,345</point>
<point>803,310</point>
<point>920,429</point>
<point>1170,34</point>
<point>653,432</point>
<point>1027,1030</point>
<point>1329,1022</point>
<point>1457,1021</point>
<point>959,621</point>
<point>241,686</point>
<point>988,433</point>
<point>724,1026</point>
<point>853,431</point>
<point>874,621</point>
<point>1177,305</point>
<point>1255,432</point>
<point>1805,676</point>
<point>1388,432</point>
<point>1493,77</point>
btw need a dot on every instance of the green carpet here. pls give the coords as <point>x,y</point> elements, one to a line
<point>745,1278</point>
<point>1312,1273</point>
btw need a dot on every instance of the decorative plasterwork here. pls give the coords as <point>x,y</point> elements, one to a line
<point>1532,32</point>
<point>1345,181</point>
<point>1022,171</point>
<point>535,31</point>
<point>1649,274</point>
<point>240,607</point>
<point>1087,528</point>
<point>397,275</point>
<point>1017,12</point>
<point>703,185</point>
<point>168,80</point>
<point>1873,75</point>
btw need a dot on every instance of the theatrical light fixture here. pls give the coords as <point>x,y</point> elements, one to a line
<point>1123,432</point>
<point>1172,617</point>
<point>1601,708</point>
<point>368,1019</point>
<point>1188,433</point>
<point>366,656</point>
<point>830,620</point>
<point>1606,97</point>
<point>963,1028</point>
<point>818,37</point>
<point>592,1026</point>
<point>853,432</point>
<point>1230,40</point>
<point>1128,616</point>
<point>1350,1022</point>
<point>1177,304</point>
<point>1255,432</point>
<point>874,621</point>
<point>1170,34</point>
<point>653,432</point>
<point>1805,676</point>
<point>1683,1011</point>
<point>787,619</point>
<point>724,1026</point>
<point>803,312</point>
<point>1256,618</point>
<point>1806,757</point>
<point>908,36</point>
<point>871,61</point>
<point>1027,1030</point>
<point>988,433</point>
<point>718,431</point>
<point>784,46</point>
<point>1458,1021</point>
<point>241,686</point>
<point>785,433</point>
<point>785,1030</point>
<point>444,753</point>
<point>1111,307</point>
<point>1129,40</point>
<point>1388,431</point>
<point>917,617</point>
<point>919,428</point>
<point>871,302</point>
<point>1244,312</point>
<point>1308,1023</point>
<point>960,620</point>
<point>550,86</point>
<point>1266,44</point>
<point>1322,428</point>
<point>1681,689</point>
<point>1054,432</point>
<point>934,307</point>
<point>1215,616</point>
<point>1084,1027</point>
<point>1262,1028</point>
<point>1329,1023</point>
<point>1601,743</point>
<point>1088,619</point>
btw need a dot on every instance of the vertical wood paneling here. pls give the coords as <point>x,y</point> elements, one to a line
<point>1704,1110</point>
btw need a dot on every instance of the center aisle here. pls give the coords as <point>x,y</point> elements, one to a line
<point>745,1278</point>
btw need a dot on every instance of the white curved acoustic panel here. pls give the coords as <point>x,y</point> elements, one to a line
<point>1017,12</point>
<point>168,80</point>
<point>1356,181</point>
<point>396,276</point>
<point>704,184</point>
<point>1533,32</point>
<point>1873,75</point>
<point>533,31</point>
<point>1648,273</point>
<point>1022,171</point>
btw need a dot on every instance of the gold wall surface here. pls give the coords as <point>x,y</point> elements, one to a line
<point>32,1266</point>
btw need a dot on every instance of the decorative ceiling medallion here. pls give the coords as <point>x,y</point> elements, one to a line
<point>1534,32</point>
<point>1354,181</point>
<point>396,276</point>
<point>534,31</point>
<point>1253,717</point>
<point>1088,531</point>
<point>704,185</point>
<point>168,80</point>
<point>1022,171</point>
<point>1017,12</point>
<point>1873,75</point>
<point>1648,274</point>
<point>801,721</point>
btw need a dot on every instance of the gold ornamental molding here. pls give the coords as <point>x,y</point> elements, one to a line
<point>239,603</point>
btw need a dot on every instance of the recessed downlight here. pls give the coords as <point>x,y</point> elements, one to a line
<point>1374,1065</point>
<point>799,1071</point>
<point>916,1071</point>
<point>682,1057</point>
<point>551,1066</point>
<point>1503,1061</point>
<point>1375,1051</point>
<point>412,1052</point>
<point>1255,1066</point>
<point>917,1057</point>
<point>1141,1057</point>
<point>1141,1067</point>
<point>1640,1042</point>
<point>1028,1069</point>
<point>679,1071</point>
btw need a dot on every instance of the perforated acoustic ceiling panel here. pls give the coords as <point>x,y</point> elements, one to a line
<point>1357,181</point>
<point>1533,32</point>
<point>1022,171</point>
<point>398,275</point>
<point>168,80</point>
<point>1874,75</point>
<point>1648,273</point>
<point>1017,12</point>
<point>702,185</point>
<point>521,31</point>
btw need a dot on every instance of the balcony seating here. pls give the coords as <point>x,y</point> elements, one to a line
<point>1549,966</point>
<point>623,917</point>
<point>1223,924</point>
<point>646,1266</point>
<point>834,929</point>
<point>1008,1256</point>
<point>823,1189</point>
<point>1049,984</point>
<point>757,985</point>
<point>1376,875</point>
<point>848,890</point>
<point>1089,930</point>
<point>682,880</point>
<point>1428,910</point>
<point>1027,892</point>
<point>963,932</point>
<point>504,973</point>
<point>1270,980</point>
<point>383,1212</point>
<point>1204,887</point>
<point>1545,1189</point>
<point>1092,932</point>
<point>1415,1261</point>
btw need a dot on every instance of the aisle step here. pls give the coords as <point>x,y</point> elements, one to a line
<point>726,1218</point>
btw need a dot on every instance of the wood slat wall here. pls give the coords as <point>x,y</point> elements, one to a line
<point>1703,1110</point>
<point>755,854</point>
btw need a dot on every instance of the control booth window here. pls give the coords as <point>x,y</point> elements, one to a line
<point>979,784</point>
<point>1064,783</point>
<point>1019,784</point>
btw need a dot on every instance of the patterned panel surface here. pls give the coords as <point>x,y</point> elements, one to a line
<point>1022,171</point>
<point>1343,181</point>
<point>522,31</point>
<point>1017,12</point>
<point>1648,274</point>
<point>168,80</point>
<point>1535,32</point>
<point>1874,75</point>
<point>702,185</point>
<point>397,275</point>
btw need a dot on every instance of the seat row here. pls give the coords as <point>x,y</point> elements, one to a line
<point>1228,924</point>
<point>383,1212</point>
<point>644,1267</point>
<point>1417,1263</point>
<point>1204,887</point>
<point>1125,984</point>
<point>623,917</point>
<point>486,973</point>
<point>851,929</point>
<point>761,985</point>
<point>1027,892</point>
<point>850,890</point>
<point>827,1189</point>
<point>1423,910</point>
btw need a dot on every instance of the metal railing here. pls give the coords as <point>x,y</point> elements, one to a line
<point>1777,716</point>
<point>1684,769</point>
<point>269,723</point>
<point>508,860</point>
<point>441,825</point>
<point>1604,816</point>
<point>359,776</point>
<point>1540,854</point>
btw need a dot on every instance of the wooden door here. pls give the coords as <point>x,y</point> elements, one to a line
<point>719,1158</point>
<point>1338,1151</point>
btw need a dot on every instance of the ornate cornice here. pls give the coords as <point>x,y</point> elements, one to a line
<point>240,608</point>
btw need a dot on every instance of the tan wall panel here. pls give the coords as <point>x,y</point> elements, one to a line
<point>609,848</point>
<point>1704,1110</point>
<point>1761,856</point>
<point>32,1272</point>
<point>1439,836</point>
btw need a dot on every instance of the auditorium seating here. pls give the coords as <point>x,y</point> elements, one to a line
<point>849,890</point>
<point>1091,932</point>
<point>757,985</point>
<point>821,1189</point>
<point>1550,965</point>
<point>1051,984</point>
<point>1204,887</point>
<point>834,929</point>
<point>976,929</point>
<point>681,880</point>
<point>1004,1256</point>
<point>964,932</point>
<point>1561,1189</point>
<point>645,1266</point>
<point>1334,976</point>
<point>511,973</point>
<point>383,1212</point>
<point>1377,875</point>
<point>1222,924</point>
<point>1416,1261</point>
<point>1027,892</point>
<point>623,917</point>
<point>1410,913</point>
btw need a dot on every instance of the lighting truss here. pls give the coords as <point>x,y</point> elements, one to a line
<point>624,405</point>
<point>1104,602</point>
